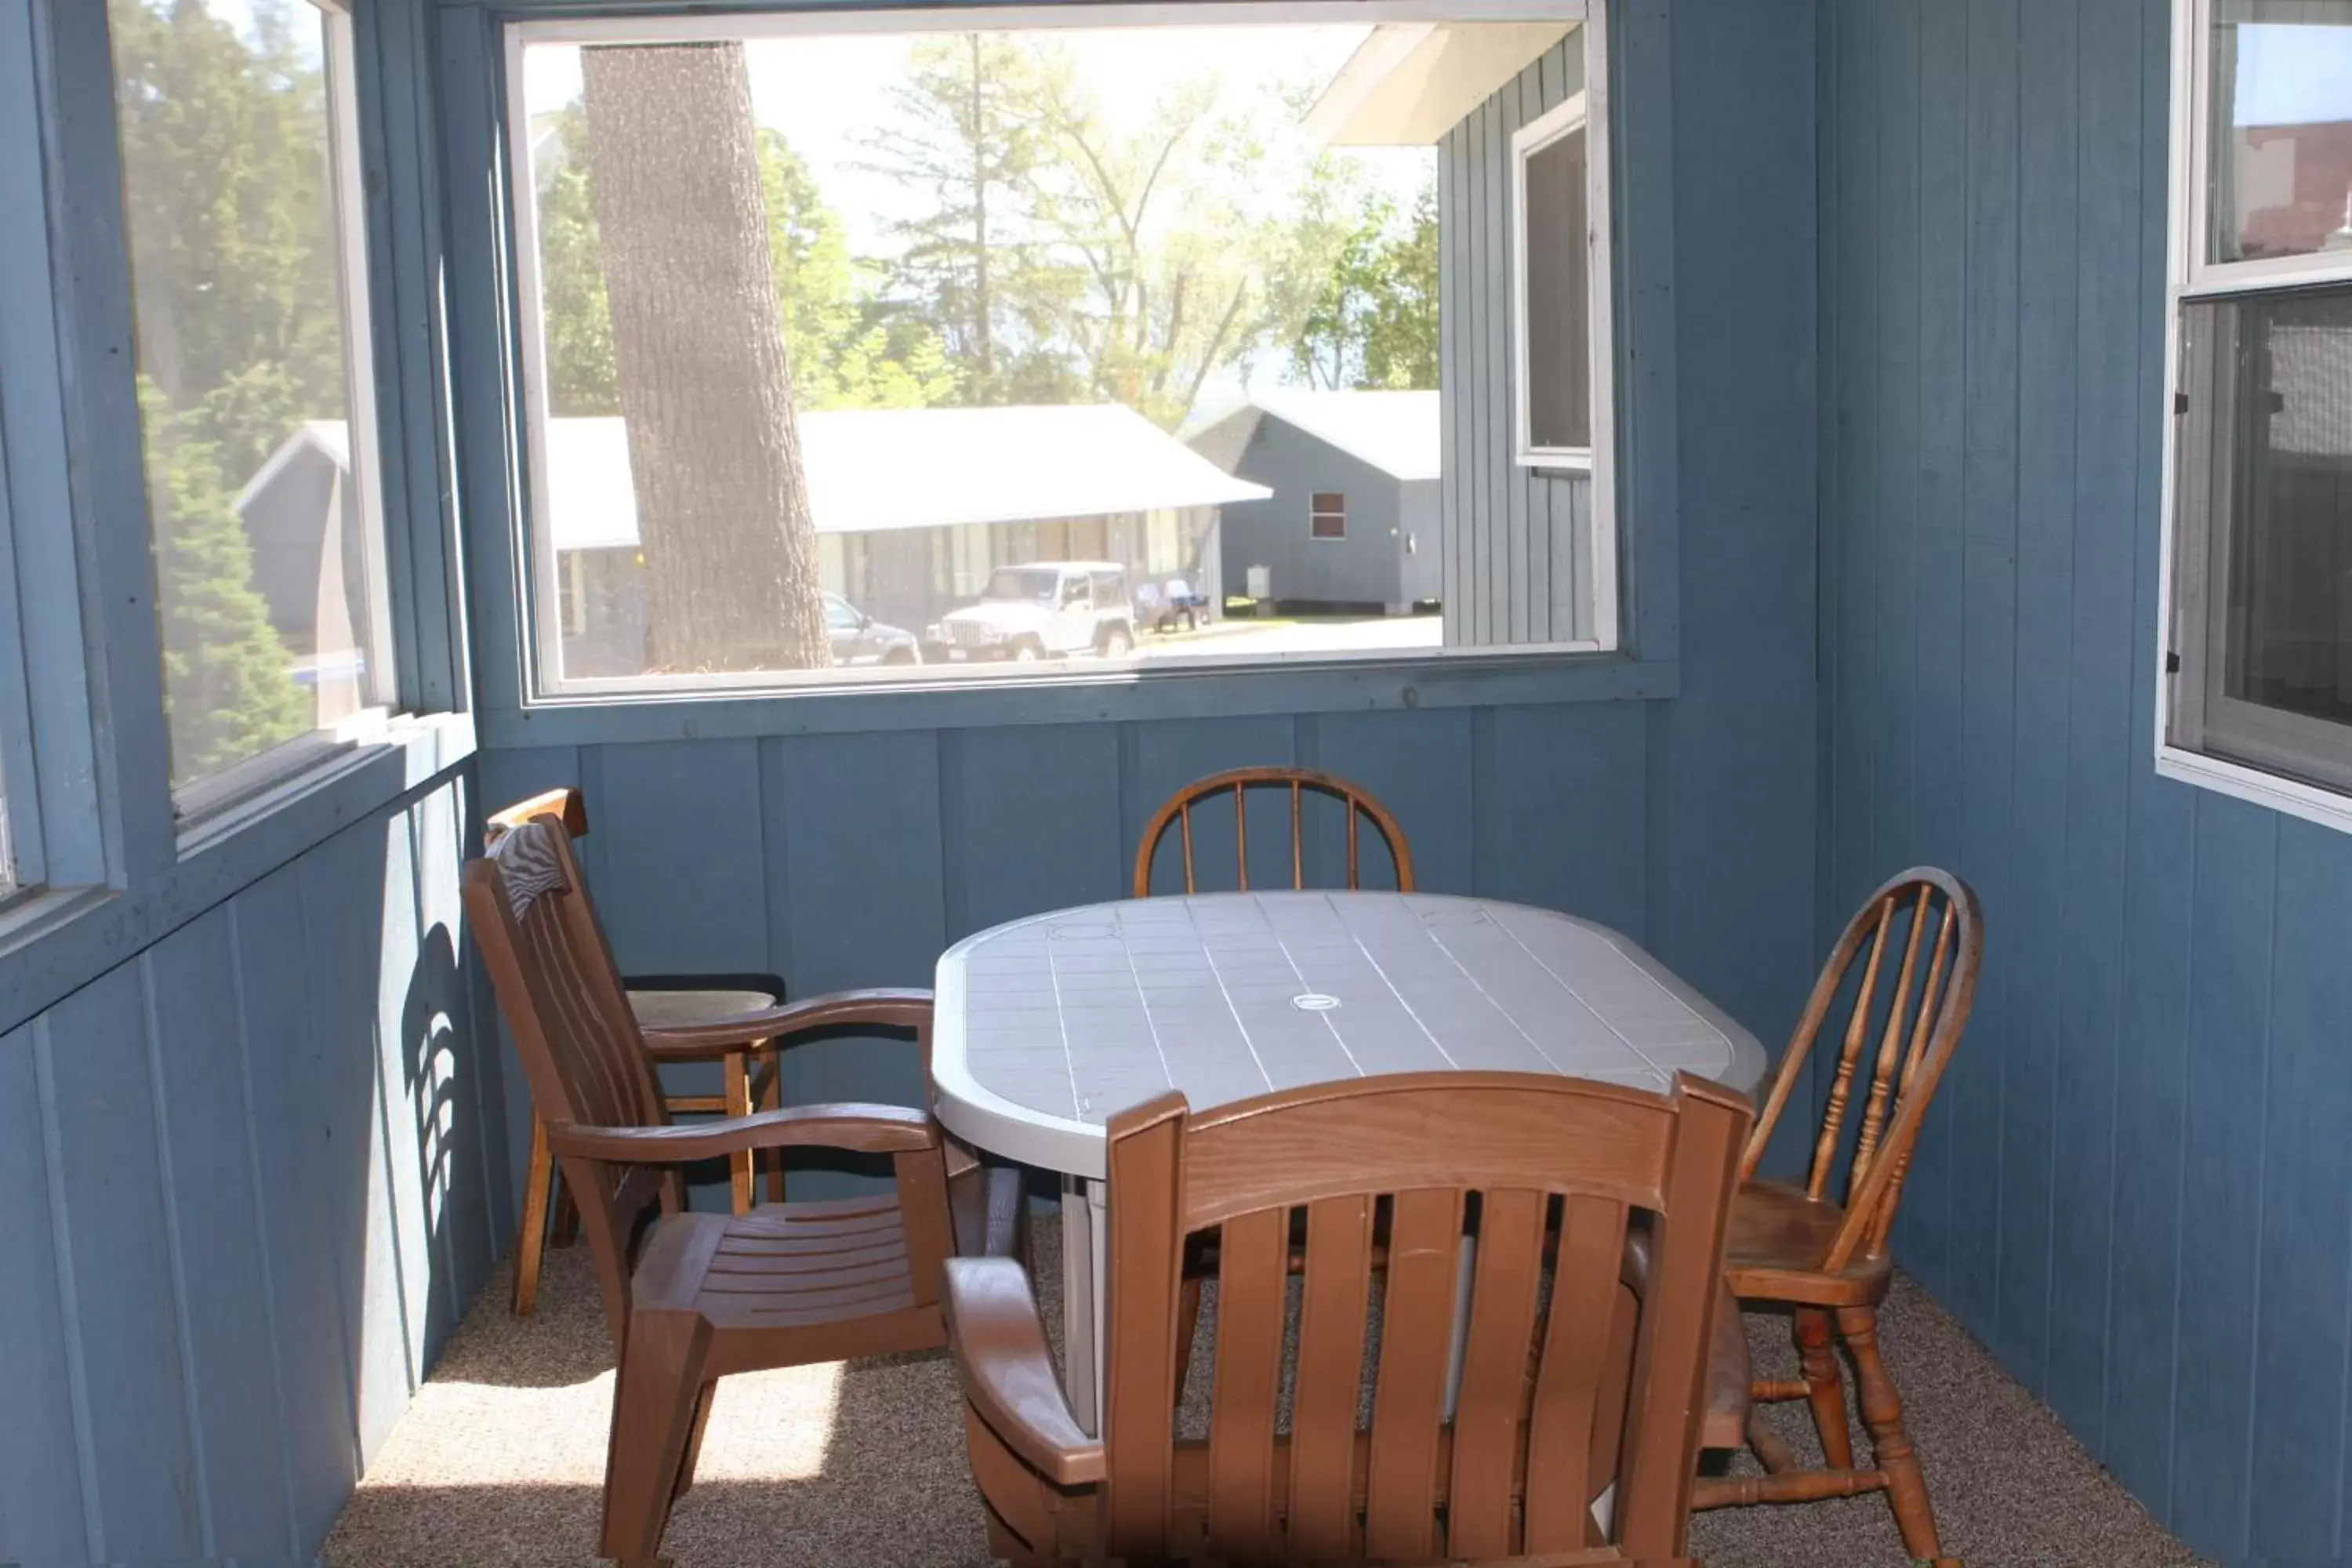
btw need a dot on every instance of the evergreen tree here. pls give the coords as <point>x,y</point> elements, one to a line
<point>233,261</point>
<point>225,680</point>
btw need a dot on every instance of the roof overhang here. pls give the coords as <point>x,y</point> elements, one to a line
<point>1409,83</point>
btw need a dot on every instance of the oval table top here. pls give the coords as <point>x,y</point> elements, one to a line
<point>1045,1026</point>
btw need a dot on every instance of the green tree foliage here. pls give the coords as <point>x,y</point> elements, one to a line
<point>224,146</point>
<point>847,350</point>
<point>1373,321</point>
<point>980,263</point>
<point>225,678</point>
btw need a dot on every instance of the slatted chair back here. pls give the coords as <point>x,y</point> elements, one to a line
<point>1235,785</point>
<point>1562,1377</point>
<point>565,802</point>
<point>580,1044</point>
<point>1911,952</point>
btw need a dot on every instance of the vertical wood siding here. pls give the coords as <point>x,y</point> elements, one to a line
<point>2137,1189</point>
<point>251,1188</point>
<point>1516,538</point>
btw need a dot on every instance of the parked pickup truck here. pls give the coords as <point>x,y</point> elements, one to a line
<point>1048,609</point>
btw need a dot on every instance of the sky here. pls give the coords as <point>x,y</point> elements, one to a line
<point>2291,74</point>
<point>820,91</point>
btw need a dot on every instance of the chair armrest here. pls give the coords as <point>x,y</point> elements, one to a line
<point>891,1007</point>
<point>864,1129</point>
<point>999,1346</point>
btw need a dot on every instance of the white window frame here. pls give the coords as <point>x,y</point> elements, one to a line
<point>2184,660</point>
<point>543,689</point>
<point>1584,110</point>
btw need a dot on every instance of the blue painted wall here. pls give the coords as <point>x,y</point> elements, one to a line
<point>253,1179</point>
<point>2137,1187</point>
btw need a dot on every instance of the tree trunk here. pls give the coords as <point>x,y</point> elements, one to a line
<point>723,515</point>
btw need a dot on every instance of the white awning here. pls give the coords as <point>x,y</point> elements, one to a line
<point>1409,83</point>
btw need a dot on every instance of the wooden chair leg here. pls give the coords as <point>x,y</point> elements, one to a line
<point>530,1244</point>
<point>694,1442</point>
<point>655,1411</point>
<point>1824,1386</point>
<point>1891,1451</point>
<point>566,1228</point>
<point>739,1103</point>
<point>773,1099</point>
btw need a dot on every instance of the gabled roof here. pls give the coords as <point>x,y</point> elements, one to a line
<point>872,469</point>
<point>1395,432</point>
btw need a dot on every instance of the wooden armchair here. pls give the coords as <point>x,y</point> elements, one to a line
<point>1577,1372</point>
<point>1799,1247</point>
<point>1299,783</point>
<point>752,1080</point>
<point>705,1294</point>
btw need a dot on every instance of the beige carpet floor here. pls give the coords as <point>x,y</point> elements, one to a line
<point>862,1464</point>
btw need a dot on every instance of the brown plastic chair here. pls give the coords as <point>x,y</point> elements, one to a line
<point>706,1294</point>
<point>1798,1247</point>
<point>751,1072</point>
<point>1577,1371</point>
<point>1301,783</point>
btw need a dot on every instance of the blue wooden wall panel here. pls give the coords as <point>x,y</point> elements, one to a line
<point>126,1298</point>
<point>2136,1190</point>
<point>693,811</point>
<point>210,1192</point>
<point>1030,821</point>
<point>2306,1237</point>
<point>345,1100</point>
<point>41,1485</point>
<point>2222,1201</point>
<point>2039,96</point>
<point>1542,778</point>
<point>2102,700</point>
<point>293,1129</point>
<point>1420,766</point>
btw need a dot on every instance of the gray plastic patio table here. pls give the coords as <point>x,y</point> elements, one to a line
<point>1046,1026</point>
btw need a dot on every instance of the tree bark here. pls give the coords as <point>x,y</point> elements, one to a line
<point>723,513</point>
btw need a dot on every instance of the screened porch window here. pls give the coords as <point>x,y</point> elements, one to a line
<point>2259,647</point>
<point>244,210</point>
<point>898,314</point>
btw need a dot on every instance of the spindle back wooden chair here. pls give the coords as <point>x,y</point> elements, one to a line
<point>1299,783</point>
<point>1567,1382</point>
<point>706,1295</point>
<point>751,1075</point>
<point>1902,978</point>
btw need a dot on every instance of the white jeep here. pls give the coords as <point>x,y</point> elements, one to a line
<point>1048,609</point>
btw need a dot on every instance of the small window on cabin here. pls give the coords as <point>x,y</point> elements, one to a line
<point>244,211</point>
<point>1326,515</point>
<point>1553,266</point>
<point>2259,667</point>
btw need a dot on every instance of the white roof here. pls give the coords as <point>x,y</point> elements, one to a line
<point>1395,432</point>
<point>871,469</point>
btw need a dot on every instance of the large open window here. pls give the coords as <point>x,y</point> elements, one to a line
<point>243,211</point>
<point>2259,647</point>
<point>876,348</point>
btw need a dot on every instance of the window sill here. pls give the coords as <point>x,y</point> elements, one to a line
<point>52,942</point>
<point>2293,797</point>
<point>1458,681</point>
